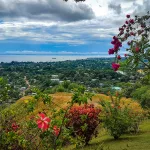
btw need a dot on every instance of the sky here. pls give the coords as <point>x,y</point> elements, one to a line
<point>55,26</point>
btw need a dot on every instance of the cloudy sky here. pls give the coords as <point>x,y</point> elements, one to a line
<point>41,26</point>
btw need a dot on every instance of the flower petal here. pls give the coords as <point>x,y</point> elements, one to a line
<point>47,120</point>
<point>42,115</point>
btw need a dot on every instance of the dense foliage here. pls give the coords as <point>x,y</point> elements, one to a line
<point>95,74</point>
<point>121,116</point>
<point>84,120</point>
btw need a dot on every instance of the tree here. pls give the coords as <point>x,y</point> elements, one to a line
<point>136,32</point>
<point>4,89</point>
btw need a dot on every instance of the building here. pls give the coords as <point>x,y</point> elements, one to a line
<point>116,88</point>
<point>55,77</point>
<point>57,80</point>
<point>22,88</point>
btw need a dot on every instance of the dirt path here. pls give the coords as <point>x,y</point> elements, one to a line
<point>28,84</point>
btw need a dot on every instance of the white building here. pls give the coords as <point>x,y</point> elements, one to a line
<point>55,76</point>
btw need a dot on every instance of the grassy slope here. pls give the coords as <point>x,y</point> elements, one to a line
<point>126,142</point>
<point>140,141</point>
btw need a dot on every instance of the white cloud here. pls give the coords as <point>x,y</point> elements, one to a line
<point>69,23</point>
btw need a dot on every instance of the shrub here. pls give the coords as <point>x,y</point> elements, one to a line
<point>121,116</point>
<point>142,94</point>
<point>83,120</point>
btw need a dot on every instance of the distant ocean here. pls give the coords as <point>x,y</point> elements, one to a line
<point>47,58</point>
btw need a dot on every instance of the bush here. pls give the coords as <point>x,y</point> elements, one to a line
<point>120,116</point>
<point>83,120</point>
<point>142,94</point>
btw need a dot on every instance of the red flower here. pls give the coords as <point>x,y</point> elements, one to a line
<point>143,26</point>
<point>14,126</point>
<point>121,33</point>
<point>119,57</point>
<point>120,29</point>
<point>119,107</point>
<point>43,122</point>
<point>125,55</point>
<point>115,38</point>
<point>111,51</point>
<point>124,26</point>
<point>128,16</point>
<point>137,49</point>
<point>132,33</point>
<point>56,130</point>
<point>129,43</point>
<point>127,22</point>
<point>115,66</point>
<point>90,115</point>
<point>131,21</point>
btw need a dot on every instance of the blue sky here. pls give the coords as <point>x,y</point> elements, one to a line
<point>54,26</point>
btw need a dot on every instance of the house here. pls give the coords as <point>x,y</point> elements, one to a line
<point>94,79</point>
<point>55,77</point>
<point>116,88</point>
<point>61,81</point>
<point>57,80</point>
<point>22,88</point>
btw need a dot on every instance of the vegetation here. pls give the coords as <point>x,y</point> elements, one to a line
<point>52,122</point>
<point>120,117</point>
<point>104,141</point>
<point>95,74</point>
<point>136,32</point>
<point>18,124</point>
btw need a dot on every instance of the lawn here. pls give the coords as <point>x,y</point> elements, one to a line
<point>140,141</point>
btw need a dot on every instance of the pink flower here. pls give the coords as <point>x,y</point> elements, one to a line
<point>132,33</point>
<point>115,38</point>
<point>131,21</point>
<point>115,66</point>
<point>119,57</point>
<point>127,22</point>
<point>43,121</point>
<point>121,33</point>
<point>129,43</point>
<point>121,29</point>
<point>142,26</point>
<point>128,16</point>
<point>14,126</point>
<point>137,49</point>
<point>125,55</point>
<point>56,130</point>
<point>111,51</point>
<point>124,25</point>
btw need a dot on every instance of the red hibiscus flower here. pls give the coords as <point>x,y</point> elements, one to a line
<point>43,122</point>
<point>56,130</point>
<point>115,66</point>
